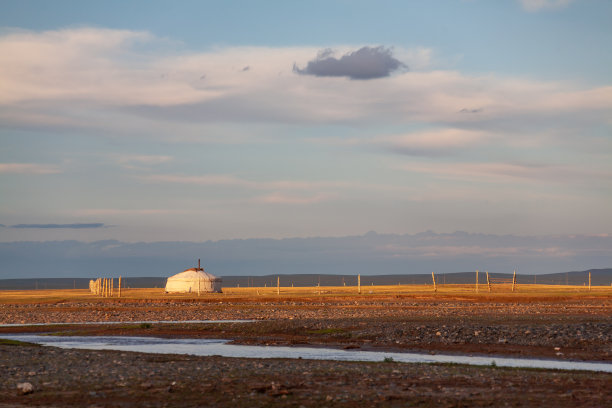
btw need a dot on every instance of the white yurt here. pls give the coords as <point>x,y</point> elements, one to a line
<point>193,280</point>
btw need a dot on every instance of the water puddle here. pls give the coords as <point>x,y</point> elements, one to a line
<point>127,322</point>
<point>210,347</point>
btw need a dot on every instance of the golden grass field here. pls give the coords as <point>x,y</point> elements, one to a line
<point>523,292</point>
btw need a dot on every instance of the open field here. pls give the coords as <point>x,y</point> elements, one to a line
<point>535,321</point>
<point>524,292</point>
<point>532,321</point>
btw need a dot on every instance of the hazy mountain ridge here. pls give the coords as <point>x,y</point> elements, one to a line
<point>368,254</point>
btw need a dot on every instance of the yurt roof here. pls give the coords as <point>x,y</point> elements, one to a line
<point>192,274</point>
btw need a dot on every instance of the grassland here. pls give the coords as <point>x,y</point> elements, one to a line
<point>524,292</point>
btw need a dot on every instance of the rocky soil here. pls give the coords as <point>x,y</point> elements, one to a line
<point>553,328</point>
<point>574,329</point>
<point>120,379</point>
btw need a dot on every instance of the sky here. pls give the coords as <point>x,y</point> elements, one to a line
<point>148,121</point>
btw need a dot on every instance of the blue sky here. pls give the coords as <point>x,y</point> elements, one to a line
<point>165,121</point>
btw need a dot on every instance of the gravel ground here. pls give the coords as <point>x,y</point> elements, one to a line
<point>563,329</point>
<point>577,329</point>
<point>121,379</point>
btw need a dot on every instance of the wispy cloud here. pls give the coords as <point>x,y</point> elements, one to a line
<point>282,198</point>
<point>229,180</point>
<point>276,191</point>
<point>144,159</point>
<point>142,162</point>
<point>60,226</point>
<point>29,168</point>
<point>508,172</point>
<point>537,5</point>
<point>93,212</point>
<point>433,142</point>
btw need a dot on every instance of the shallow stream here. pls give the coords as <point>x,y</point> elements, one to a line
<point>210,347</point>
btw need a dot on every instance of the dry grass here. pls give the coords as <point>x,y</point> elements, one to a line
<point>523,292</point>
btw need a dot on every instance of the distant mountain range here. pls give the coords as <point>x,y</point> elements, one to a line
<point>599,277</point>
<point>368,254</point>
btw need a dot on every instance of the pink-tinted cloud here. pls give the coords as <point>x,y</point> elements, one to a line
<point>508,172</point>
<point>537,5</point>
<point>283,198</point>
<point>29,168</point>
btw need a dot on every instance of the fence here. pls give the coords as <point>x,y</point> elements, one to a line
<point>105,287</point>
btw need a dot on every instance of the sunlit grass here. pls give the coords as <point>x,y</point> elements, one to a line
<point>504,291</point>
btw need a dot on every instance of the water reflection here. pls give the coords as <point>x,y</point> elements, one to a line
<point>209,347</point>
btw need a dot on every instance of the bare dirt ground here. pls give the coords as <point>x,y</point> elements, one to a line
<point>116,379</point>
<point>531,323</point>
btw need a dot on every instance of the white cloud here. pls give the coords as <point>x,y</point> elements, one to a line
<point>537,5</point>
<point>276,191</point>
<point>92,212</point>
<point>140,162</point>
<point>510,172</point>
<point>282,198</point>
<point>144,159</point>
<point>29,168</point>
<point>73,76</point>
<point>433,142</point>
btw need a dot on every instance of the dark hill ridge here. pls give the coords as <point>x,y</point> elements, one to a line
<point>599,277</point>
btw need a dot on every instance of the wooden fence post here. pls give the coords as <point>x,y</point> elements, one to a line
<point>433,277</point>
<point>476,280</point>
<point>359,284</point>
<point>120,286</point>
<point>514,280</point>
<point>488,281</point>
<point>589,281</point>
<point>278,285</point>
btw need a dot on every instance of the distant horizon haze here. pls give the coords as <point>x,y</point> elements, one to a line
<point>368,254</point>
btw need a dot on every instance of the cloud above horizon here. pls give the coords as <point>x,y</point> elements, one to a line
<point>537,5</point>
<point>60,226</point>
<point>364,63</point>
<point>273,141</point>
<point>29,168</point>
<point>67,78</point>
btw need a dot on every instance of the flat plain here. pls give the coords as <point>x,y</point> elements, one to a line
<point>543,321</point>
